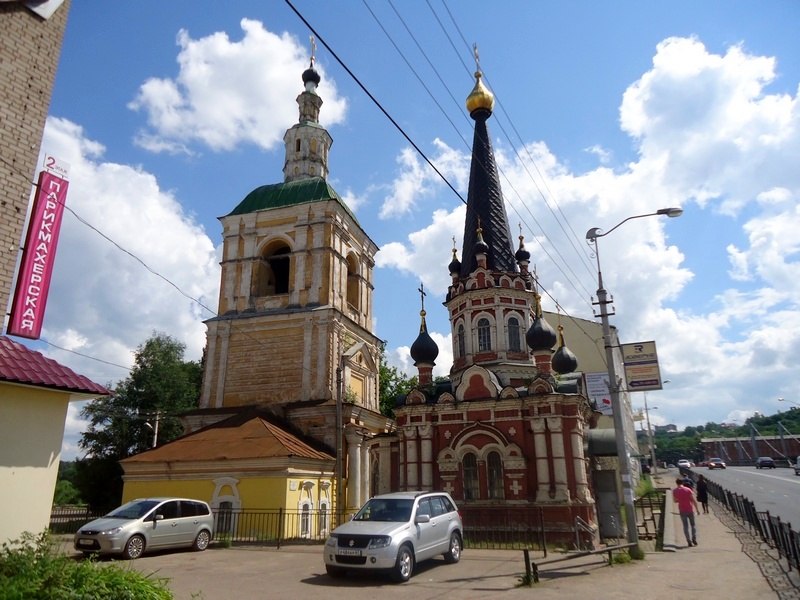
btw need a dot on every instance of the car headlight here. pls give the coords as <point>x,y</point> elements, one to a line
<point>380,542</point>
<point>111,531</point>
<point>332,540</point>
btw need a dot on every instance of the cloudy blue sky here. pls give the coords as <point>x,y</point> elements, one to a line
<point>170,113</point>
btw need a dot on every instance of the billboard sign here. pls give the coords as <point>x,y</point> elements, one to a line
<point>597,390</point>
<point>642,373</point>
<point>36,267</point>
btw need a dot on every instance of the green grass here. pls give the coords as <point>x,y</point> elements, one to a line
<point>31,568</point>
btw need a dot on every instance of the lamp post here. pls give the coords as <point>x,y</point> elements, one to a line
<point>650,432</point>
<point>623,455</point>
<point>789,401</point>
<point>650,436</point>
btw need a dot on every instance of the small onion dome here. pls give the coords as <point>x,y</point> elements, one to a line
<point>424,350</point>
<point>310,75</point>
<point>481,247</point>
<point>455,264</point>
<point>480,97</point>
<point>522,255</point>
<point>541,335</point>
<point>564,361</point>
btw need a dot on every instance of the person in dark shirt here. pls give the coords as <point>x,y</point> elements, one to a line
<point>702,493</point>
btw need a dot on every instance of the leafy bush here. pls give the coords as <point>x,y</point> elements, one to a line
<point>32,568</point>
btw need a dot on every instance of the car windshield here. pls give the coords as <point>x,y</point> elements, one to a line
<point>385,509</point>
<point>133,510</point>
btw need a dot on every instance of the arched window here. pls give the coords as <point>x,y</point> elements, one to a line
<point>513,335</point>
<point>471,488</point>
<point>324,510</point>
<point>224,518</point>
<point>484,335</point>
<point>494,474</point>
<point>462,351</point>
<point>313,147</point>
<point>297,145</point>
<point>272,271</point>
<point>305,521</point>
<point>353,286</point>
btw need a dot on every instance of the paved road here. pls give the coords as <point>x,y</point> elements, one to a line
<point>773,490</point>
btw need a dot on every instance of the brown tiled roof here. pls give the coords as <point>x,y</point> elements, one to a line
<point>251,434</point>
<point>19,364</point>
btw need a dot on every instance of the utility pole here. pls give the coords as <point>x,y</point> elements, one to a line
<point>339,507</point>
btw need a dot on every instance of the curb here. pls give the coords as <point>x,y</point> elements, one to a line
<point>668,544</point>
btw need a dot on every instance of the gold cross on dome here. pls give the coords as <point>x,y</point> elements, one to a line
<point>313,48</point>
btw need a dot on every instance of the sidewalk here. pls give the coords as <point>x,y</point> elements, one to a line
<point>717,568</point>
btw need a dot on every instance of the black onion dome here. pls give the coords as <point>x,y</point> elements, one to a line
<point>310,74</point>
<point>481,247</point>
<point>424,350</point>
<point>455,265</point>
<point>522,254</point>
<point>564,361</point>
<point>541,335</point>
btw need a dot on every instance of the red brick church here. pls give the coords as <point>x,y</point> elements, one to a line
<point>508,427</point>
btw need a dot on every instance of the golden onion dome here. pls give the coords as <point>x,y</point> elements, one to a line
<point>480,97</point>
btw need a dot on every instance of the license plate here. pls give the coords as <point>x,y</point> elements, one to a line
<point>346,552</point>
<point>84,542</point>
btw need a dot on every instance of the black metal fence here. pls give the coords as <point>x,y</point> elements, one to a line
<point>67,519</point>
<point>777,534</point>
<point>484,527</point>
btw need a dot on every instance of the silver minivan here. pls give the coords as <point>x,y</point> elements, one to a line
<point>394,531</point>
<point>148,524</point>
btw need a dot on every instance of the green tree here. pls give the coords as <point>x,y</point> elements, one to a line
<point>66,493</point>
<point>161,385</point>
<point>392,383</point>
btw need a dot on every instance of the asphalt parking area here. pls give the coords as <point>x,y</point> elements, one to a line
<point>292,572</point>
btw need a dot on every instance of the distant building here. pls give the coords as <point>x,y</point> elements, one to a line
<point>671,428</point>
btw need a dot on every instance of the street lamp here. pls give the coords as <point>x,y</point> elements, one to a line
<point>650,436</point>
<point>623,456</point>
<point>650,432</point>
<point>789,401</point>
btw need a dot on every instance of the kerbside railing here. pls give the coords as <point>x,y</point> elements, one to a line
<point>484,527</point>
<point>777,534</point>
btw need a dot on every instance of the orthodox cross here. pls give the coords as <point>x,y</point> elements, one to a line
<point>421,290</point>
<point>477,57</point>
<point>313,49</point>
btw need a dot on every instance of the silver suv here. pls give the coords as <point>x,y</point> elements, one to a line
<point>394,531</point>
<point>148,524</point>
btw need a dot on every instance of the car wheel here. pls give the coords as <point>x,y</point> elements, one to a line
<point>334,572</point>
<point>134,547</point>
<point>404,565</point>
<point>453,555</point>
<point>201,541</point>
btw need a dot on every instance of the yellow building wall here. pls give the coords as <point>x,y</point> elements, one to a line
<point>271,507</point>
<point>31,431</point>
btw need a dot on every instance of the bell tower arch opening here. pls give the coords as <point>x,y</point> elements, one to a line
<point>271,275</point>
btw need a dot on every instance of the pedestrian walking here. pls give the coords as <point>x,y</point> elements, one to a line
<point>702,493</point>
<point>687,506</point>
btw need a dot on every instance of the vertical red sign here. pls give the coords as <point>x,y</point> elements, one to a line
<point>33,280</point>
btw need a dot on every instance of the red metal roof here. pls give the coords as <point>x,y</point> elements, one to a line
<point>20,364</point>
<point>250,434</point>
